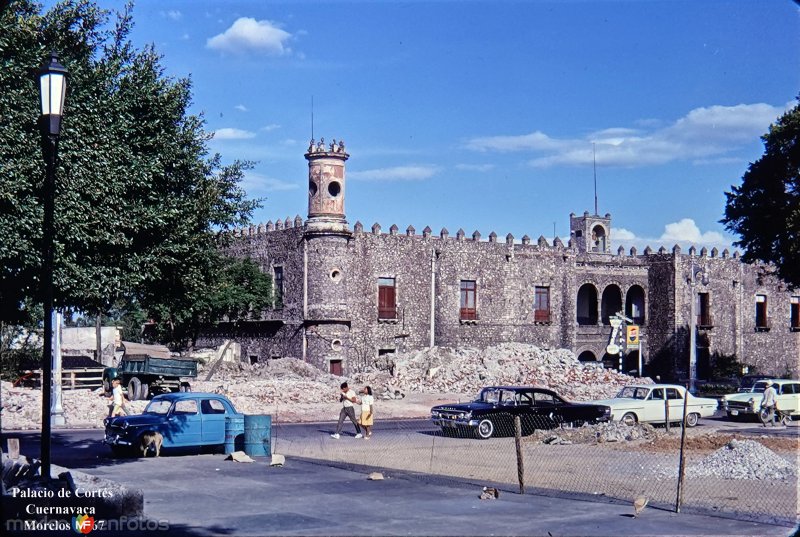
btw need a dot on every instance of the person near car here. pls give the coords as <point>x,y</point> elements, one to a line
<point>367,406</point>
<point>117,399</point>
<point>768,402</point>
<point>349,400</point>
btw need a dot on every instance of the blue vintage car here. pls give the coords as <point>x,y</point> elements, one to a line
<point>183,419</point>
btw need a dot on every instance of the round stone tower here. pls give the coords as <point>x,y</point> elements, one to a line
<point>326,187</point>
<point>327,260</point>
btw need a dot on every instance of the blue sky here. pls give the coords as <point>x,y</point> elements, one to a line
<point>482,115</point>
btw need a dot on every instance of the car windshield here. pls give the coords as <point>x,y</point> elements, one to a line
<point>633,392</point>
<point>760,387</point>
<point>158,407</point>
<point>489,395</point>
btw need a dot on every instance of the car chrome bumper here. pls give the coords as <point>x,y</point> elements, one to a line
<point>451,423</point>
<point>115,440</point>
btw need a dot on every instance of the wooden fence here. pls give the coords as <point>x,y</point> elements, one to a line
<point>77,378</point>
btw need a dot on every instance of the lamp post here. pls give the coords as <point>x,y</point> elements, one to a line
<point>53,87</point>
<point>694,273</point>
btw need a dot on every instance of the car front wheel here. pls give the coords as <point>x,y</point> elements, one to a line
<point>629,419</point>
<point>485,429</point>
<point>692,419</point>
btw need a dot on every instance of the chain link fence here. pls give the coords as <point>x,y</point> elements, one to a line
<point>749,478</point>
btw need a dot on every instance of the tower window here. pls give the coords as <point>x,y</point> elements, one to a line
<point>762,321</point>
<point>387,299</point>
<point>312,188</point>
<point>541,305</point>
<point>334,188</point>
<point>278,286</point>
<point>794,314</point>
<point>469,293</point>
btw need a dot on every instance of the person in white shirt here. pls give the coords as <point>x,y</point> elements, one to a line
<point>118,399</point>
<point>769,402</point>
<point>348,399</point>
<point>367,406</point>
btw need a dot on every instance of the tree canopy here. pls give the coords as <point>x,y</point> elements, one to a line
<point>142,208</point>
<point>765,210</point>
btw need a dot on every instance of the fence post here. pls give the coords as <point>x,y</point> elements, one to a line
<point>682,460</point>
<point>520,462</point>
<point>666,413</point>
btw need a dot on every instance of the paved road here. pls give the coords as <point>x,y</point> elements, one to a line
<point>201,494</point>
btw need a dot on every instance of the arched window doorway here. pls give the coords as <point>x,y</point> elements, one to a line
<point>587,356</point>
<point>587,305</point>
<point>598,239</point>
<point>634,304</point>
<point>612,302</point>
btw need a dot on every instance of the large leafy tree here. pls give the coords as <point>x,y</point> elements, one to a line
<point>765,210</point>
<point>142,208</point>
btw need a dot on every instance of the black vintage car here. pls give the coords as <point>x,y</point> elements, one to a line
<point>493,412</point>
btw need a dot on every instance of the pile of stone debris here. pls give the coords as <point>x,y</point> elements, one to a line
<point>600,433</point>
<point>440,370</point>
<point>22,407</point>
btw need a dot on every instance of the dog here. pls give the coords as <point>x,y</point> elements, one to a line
<point>151,439</point>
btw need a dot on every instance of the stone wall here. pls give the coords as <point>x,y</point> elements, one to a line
<point>341,319</point>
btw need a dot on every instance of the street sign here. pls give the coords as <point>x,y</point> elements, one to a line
<point>612,348</point>
<point>632,341</point>
<point>614,321</point>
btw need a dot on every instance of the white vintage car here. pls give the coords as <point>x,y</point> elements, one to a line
<point>787,398</point>
<point>647,403</point>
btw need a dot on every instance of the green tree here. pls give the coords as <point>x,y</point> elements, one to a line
<point>765,210</point>
<point>142,209</point>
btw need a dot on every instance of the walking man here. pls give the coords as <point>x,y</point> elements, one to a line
<point>348,399</point>
<point>768,402</point>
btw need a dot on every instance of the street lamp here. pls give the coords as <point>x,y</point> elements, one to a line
<point>53,88</point>
<point>694,273</point>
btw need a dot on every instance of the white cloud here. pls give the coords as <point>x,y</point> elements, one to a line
<point>233,134</point>
<point>270,127</point>
<point>685,233</point>
<point>256,184</point>
<point>241,108</point>
<point>702,135</point>
<point>397,173</point>
<point>173,14</point>
<point>248,34</point>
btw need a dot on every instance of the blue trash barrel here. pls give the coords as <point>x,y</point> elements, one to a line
<point>234,433</point>
<point>257,430</point>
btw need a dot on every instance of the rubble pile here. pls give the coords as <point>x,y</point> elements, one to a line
<point>744,459</point>
<point>440,370</point>
<point>614,431</point>
<point>22,407</point>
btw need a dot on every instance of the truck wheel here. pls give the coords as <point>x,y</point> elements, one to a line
<point>185,387</point>
<point>106,386</point>
<point>134,388</point>
<point>144,392</point>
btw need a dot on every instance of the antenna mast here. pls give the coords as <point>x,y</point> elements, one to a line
<point>312,117</point>
<point>594,165</point>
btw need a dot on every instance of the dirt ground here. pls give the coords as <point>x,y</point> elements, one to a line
<point>708,442</point>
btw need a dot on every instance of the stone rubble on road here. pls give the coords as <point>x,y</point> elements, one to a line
<point>743,459</point>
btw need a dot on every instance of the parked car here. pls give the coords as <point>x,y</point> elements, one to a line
<point>648,403</point>
<point>748,382</point>
<point>749,403</point>
<point>492,412</point>
<point>183,419</point>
